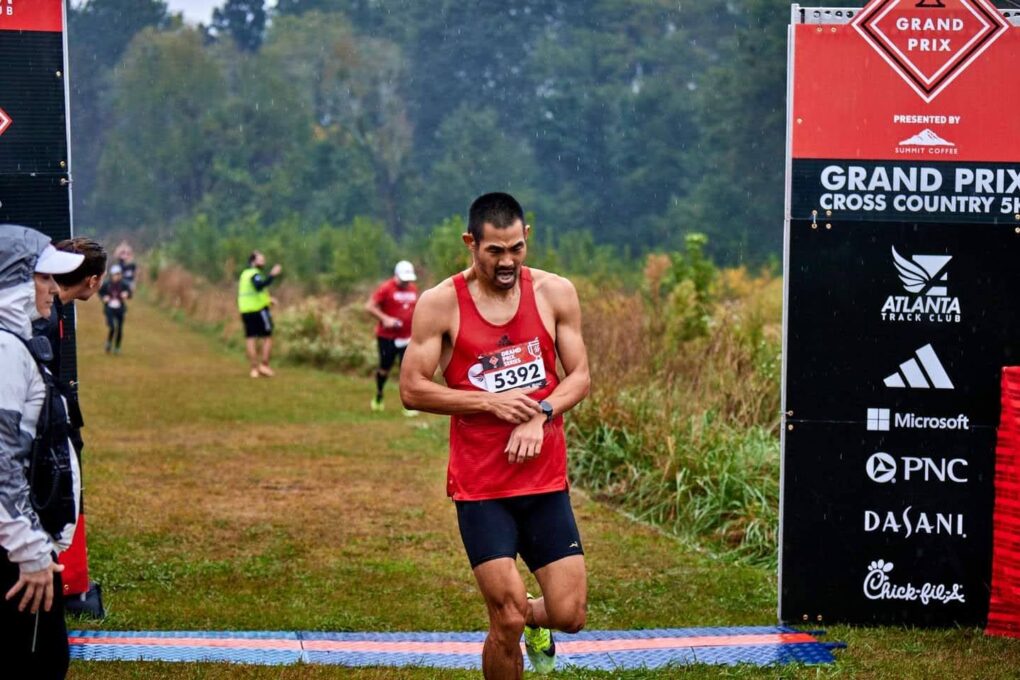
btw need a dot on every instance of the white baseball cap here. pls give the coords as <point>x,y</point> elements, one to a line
<point>405,271</point>
<point>53,261</point>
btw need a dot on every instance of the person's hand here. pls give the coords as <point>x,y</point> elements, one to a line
<point>514,406</point>
<point>391,322</point>
<point>38,586</point>
<point>275,271</point>
<point>526,441</point>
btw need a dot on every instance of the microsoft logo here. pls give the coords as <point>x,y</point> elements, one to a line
<point>878,420</point>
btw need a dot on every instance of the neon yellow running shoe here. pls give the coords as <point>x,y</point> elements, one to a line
<point>541,648</point>
<point>377,404</point>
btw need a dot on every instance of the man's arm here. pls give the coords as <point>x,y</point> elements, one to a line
<point>420,392</point>
<point>526,440</point>
<point>571,350</point>
<point>373,308</point>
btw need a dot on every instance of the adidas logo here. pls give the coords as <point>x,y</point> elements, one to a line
<point>921,372</point>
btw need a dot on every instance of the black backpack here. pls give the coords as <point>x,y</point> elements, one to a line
<point>50,472</point>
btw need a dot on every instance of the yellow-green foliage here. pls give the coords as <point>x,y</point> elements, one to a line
<point>681,426</point>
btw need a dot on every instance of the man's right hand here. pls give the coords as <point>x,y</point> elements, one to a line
<point>38,587</point>
<point>513,406</point>
<point>275,271</point>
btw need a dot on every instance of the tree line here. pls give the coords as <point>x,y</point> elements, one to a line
<point>630,123</point>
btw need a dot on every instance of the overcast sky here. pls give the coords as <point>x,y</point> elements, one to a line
<point>197,11</point>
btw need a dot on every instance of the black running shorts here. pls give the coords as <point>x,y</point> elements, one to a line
<point>258,324</point>
<point>389,352</point>
<point>541,529</point>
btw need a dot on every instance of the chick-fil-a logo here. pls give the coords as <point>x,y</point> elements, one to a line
<point>877,586</point>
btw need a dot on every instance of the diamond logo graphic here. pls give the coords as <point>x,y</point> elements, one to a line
<point>928,43</point>
<point>5,121</point>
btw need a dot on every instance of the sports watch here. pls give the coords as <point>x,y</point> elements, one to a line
<point>547,409</point>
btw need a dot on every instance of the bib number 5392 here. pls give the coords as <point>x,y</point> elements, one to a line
<point>523,375</point>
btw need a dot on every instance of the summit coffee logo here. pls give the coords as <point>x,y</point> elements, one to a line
<point>930,43</point>
<point>925,278</point>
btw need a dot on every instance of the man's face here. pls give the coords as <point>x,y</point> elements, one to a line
<point>88,288</point>
<point>259,261</point>
<point>500,254</point>
<point>45,289</point>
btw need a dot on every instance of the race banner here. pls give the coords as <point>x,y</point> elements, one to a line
<point>35,173</point>
<point>902,238</point>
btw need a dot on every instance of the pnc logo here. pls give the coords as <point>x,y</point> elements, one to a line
<point>930,42</point>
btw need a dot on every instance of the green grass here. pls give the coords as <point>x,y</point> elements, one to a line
<point>217,502</point>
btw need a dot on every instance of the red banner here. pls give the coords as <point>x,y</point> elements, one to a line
<point>32,15</point>
<point>909,81</point>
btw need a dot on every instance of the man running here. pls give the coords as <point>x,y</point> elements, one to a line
<point>253,301</point>
<point>392,304</point>
<point>496,331</point>
<point>114,293</point>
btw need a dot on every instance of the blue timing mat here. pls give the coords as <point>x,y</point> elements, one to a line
<point>601,650</point>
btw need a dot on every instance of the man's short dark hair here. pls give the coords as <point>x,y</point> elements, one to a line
<point>498,209</point>
<point>94,263</point>
<point>251,258</point>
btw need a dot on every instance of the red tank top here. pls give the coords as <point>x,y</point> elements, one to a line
<point>487,357</point>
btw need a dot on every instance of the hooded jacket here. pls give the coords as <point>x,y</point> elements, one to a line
<point>22,392</point>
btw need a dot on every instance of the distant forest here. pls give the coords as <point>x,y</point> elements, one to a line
<point>630,122</point>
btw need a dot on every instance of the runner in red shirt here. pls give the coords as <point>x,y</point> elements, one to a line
<point>496,331</point>
<point>392,304</point>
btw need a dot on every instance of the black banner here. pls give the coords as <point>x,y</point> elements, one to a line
<point>986,193</point>
<point>897,333</point>
<point>886,526</point>
<point>34,164</point>
<point>32,95</point>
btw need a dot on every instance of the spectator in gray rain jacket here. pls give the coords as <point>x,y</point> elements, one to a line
<point>32,624</point>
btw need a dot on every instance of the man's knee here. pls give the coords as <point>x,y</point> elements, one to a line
<point>507,617</point>
<point>568,616</point>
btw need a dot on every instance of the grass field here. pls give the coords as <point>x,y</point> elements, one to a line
<point>217,502</point>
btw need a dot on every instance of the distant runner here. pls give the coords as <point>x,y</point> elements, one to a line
<point>114,293</point>
<point>253,301</point>
<point>496,330</point>
<point>125,255</point>
<point>392,304</point>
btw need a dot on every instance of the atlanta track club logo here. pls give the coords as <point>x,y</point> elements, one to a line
<point>930,42</point>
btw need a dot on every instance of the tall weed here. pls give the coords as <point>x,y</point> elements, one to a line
<point>682,423</point>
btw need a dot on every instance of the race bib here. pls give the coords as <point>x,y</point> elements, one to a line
<point>516,367</point>
<point>114,303</point>
<point>401,343</point>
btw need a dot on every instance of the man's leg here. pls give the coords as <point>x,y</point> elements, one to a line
<point>267,342</point>
<point>564,602</point>
<point>120,330</point>
<point>108,313</point>
<point>506,600</point>
<point>267,353</point>
<point>387,356</point>
<point>251,349</point>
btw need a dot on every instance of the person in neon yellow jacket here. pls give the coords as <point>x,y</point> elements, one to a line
<point>253,302</point>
